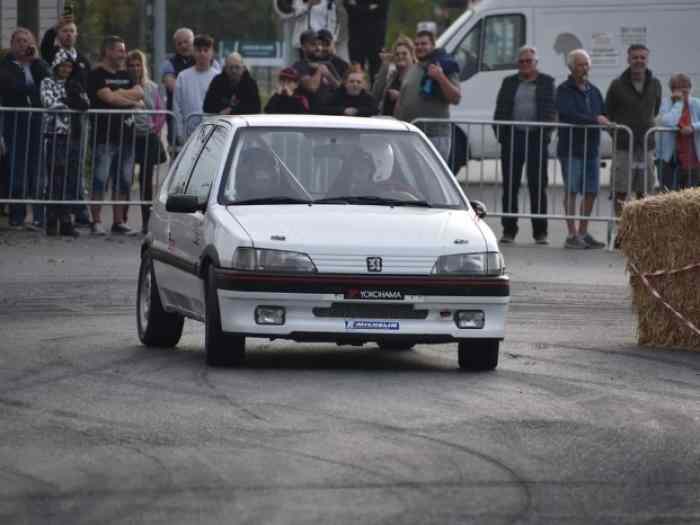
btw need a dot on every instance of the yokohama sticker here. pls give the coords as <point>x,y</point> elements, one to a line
<point>371,325</point>
<point>374,295</point>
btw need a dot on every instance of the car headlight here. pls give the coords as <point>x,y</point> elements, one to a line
<point>262,260</point>
<point>490,263</point>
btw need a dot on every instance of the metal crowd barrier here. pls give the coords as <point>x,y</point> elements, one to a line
<point>192,121</point>
<point>59,157</point>
<point>476,157</point>
<point>670,175</point>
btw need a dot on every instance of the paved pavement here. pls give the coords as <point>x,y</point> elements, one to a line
<point>577,425</point>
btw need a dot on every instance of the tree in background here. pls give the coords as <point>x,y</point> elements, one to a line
<point>223,19</point>
<point>404,16</point>
<point>99,18</point>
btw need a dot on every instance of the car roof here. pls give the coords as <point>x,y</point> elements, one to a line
<point>319,121</point>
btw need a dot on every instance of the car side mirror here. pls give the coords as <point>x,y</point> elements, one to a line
<point>479,208</point>
<point>181,203</point>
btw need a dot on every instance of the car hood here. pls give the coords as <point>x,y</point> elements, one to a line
<point>334,235</point>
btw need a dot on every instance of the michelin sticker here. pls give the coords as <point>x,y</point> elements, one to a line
<point>371,325</point>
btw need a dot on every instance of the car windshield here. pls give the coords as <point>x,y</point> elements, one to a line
<point>337,166</point>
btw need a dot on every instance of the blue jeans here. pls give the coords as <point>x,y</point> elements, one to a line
<point>115,162</point>
<point>580,176</point>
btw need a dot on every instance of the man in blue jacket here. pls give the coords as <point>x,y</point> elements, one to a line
<point>580,103</point>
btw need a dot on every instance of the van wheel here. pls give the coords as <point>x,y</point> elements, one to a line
<point>478,354</point>
<point>156,327</point>
<point>220,348</point>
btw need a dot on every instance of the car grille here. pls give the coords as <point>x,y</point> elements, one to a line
<point>371,311</point>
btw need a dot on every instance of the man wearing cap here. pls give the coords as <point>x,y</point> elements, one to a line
<point>304,15</point>
<point>318,80</point>
<point>326,53</point>
<point>287,98</point>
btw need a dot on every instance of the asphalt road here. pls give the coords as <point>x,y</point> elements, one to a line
<point>577,425</point>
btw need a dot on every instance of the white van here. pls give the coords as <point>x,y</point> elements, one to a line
<point>486,38</point>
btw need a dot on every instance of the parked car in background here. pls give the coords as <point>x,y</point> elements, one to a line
<point>340,229</point>
<point>485,40</point>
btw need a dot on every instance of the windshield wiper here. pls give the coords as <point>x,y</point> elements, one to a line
<point>272,200</point>
<point>371,200</point>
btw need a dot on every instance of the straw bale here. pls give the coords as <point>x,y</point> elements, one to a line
<point>662,233</point>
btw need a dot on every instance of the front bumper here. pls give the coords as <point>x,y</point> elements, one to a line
<point>319,307</point>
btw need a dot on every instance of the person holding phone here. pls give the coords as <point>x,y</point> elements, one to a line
<point>21,74</point>
<point>64,36</point>
<point>395,64</point>
<point>679,152</point>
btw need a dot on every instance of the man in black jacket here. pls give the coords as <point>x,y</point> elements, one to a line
<point>633,99</point>
<point>64,36</point>
<point>233,91</point>
<point>525,97</point>
<point>21,73</point>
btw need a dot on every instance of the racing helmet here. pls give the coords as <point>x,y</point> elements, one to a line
<point>382,155</point>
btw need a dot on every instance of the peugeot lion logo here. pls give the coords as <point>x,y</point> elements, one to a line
<point>374,264</point>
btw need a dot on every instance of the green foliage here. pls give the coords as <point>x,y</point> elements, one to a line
<point>224,19</point>
<point>98,18</point>
<point>404,15</point>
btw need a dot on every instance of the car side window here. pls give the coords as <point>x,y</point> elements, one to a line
<point>468,53</point>
<point>206,167</point>
<point>503,36</point>
<point>186,160</point>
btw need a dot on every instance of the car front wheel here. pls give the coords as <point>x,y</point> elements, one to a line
<point>221,349</point>
<point>156,327</point>
<point>478,354</point>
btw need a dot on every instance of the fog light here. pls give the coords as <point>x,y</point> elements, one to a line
<point>470,319</point>
<point>269,315</point>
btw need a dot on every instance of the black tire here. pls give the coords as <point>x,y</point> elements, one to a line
<point>395,346</point>
<point>478,354</point>
<point>220,348</point>
<point>156,327</point>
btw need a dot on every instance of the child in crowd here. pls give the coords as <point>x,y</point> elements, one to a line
<point>352,98</point>
<point>287,97</point>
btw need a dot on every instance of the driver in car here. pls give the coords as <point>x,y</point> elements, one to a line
<point>373,173</point>
<point>257,175</point>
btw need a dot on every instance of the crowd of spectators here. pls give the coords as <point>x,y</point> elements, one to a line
<point>412,80</point>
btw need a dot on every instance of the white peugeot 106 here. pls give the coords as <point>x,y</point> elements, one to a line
<point>338,229</point>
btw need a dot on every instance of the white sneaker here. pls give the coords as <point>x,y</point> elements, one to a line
<point>96,228</point>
